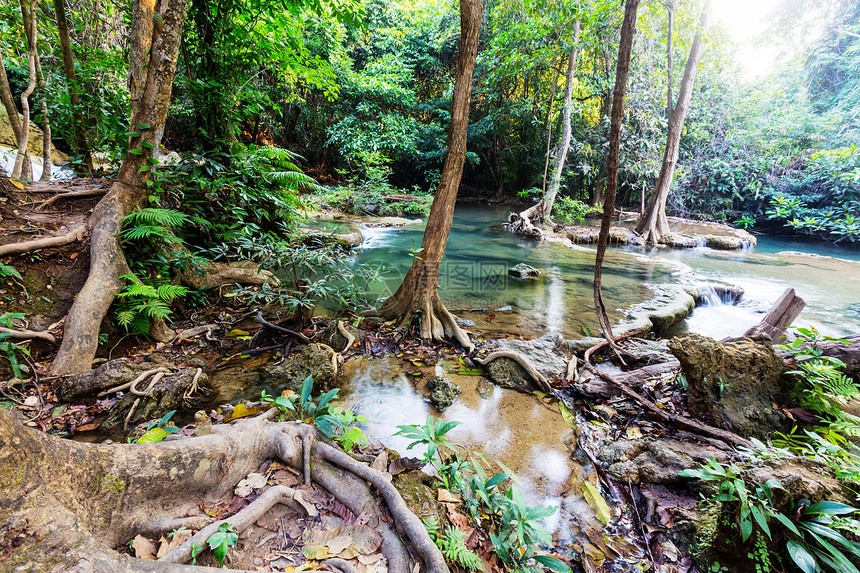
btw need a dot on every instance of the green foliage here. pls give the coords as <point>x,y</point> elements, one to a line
<point>573,210</point>
<point>141,303</point>
<point>452,543</point>
<point>9,271</point>
<point>156,431</point>
<point>815,542</point>
<point>493,502</point>
<point>11,349</point>
<point>368,194</point>
<point>336,423</point>
<point>222,540</point>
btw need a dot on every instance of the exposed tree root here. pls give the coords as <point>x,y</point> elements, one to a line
<point>190,333</point>
<point>347,335</point>
<point>75,234</point>
<point>521,224</point>
<point>539,378</point>
<point>76,502</point>
<point>28,334</point>
<point>71,195</point>
<point>297,335</point>
<point>216,275</point>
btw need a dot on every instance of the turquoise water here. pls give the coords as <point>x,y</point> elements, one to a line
<point>474,276</point>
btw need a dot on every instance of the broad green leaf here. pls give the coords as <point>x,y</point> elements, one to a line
<point>829,508</point>
<point>553,563</point>
<point>801,557</point>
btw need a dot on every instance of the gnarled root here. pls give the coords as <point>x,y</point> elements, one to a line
<point>539,378</point>
<point>216,275</point>
<point>437,323</point>
<point>71,195</point>
<point>25,334</point>
<point>78,501</point>
<point>75,234</point>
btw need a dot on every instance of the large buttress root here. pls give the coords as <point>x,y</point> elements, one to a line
<point>75,502</point>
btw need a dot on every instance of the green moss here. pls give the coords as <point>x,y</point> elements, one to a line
<point>112,483</point>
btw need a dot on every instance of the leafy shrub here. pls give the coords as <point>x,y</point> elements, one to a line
<point>11,349</point>
<point>573,210</point>
<point>141,303</point>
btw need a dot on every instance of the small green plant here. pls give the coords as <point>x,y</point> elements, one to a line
<point>493,502</point>
<point>195,550</point>
<point>452,543</point>
<point>222,540</point>
<point>815,541</point>
<point>11,349</point>
<point>9,271</point>
<point>141,303</point>
<point>745,222</point>
<point>156,431</point>
<point>336,423</point>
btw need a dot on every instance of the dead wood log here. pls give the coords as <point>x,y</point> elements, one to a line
<point>784,311</point>
<point>75,234</point>
<point>596,387</point>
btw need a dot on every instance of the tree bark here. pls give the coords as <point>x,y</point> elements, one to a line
<point>23,141</point>
<point>67,504</point>
<point>81,145</point>
<point>419,291</point>
<point>33,45</point>
<point>625,47</point>
<point>8,103</point>
<point>670,63</point>
<point>149,112</point>
<point>653,224</point>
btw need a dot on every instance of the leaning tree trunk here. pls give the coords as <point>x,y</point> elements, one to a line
<point>148,113</point>
<point>24,140</point>
<point>12,113</point>
<point>33,45</point>
<point>68,505</point>
<point>419,291</point>
<point>625,47</point>
<point>670,60</point>
<point>653,224</point>
<point>81,145</point>
<point>543,209</point>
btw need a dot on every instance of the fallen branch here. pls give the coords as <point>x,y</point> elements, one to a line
<point>297,335</point>
<point>28,334</point>
<point>726,436</point>
<point>590,385</point>
<point>522,361</point>
<point>76,234</point>
<point>70,195</point>
<point>785,310</point>
<point>190,333</point>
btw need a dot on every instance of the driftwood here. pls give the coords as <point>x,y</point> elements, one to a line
<point>785,310</point>
<point>596,387</point>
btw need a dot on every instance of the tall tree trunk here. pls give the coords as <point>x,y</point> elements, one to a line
<point>606,110</point>
<point>653,224</point>
<point>150,104</point>
<point>24,140</point>
<point>80,142</point>
<point>12,112</point>
<point>670,61</point>
<point>549,122</point>
<point>625,46</point>
<point>543,209</point>
<point>33,45</point>
<point>419,291</point>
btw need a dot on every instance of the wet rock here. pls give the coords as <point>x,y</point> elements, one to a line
<point>715,292</point>
<point>335,339</point>
<point>655,461</point>
<point>801,478</point>
<point>590,235</point>
<point>733,385</point>
<point>681,241</point>
<point>169,393</point>
<point>548,354</point>
<point>671,305</point>
<point>445,392</point>
<point>523,271</point>
<point>317,360</point>
<point>418,490</point>
<point>465,322</point>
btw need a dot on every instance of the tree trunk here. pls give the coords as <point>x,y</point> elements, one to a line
<point>12,112</point>
<point>653,225</point>
<point>33,45</point>
<point>543,210</point>
<point>107,261</point>
<point>81,145</point>
<point>606,110</point>
<point>419,291</point>
<point>625,46</point>
<point>24,140</point>
<point>68,505</point>
<point>670,63</point>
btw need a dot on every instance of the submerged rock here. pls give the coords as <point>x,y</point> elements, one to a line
<point>589,235</point>
<point>671,305</point>
<point>548,354</point>
<point>445,392</point>
<point>317,360</point>
<point>523,271</point>
<point>733,385</point>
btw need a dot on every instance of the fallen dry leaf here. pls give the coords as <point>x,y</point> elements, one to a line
<point>249,484</point>
<point>444,495</point>
<point>143,548</point>
<point>168,545</point>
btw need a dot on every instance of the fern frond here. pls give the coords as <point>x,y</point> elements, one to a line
<point>138,232</point>
<point>139,325</point>
<point>125,317</point>
<point>453,546</point>
<point>156,216</point>
<point>155,308</point>
<point>170,292</point>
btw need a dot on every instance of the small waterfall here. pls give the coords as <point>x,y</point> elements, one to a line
<point>747,246</point>
<point>708,296</point>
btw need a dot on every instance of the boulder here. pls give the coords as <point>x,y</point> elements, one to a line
<point>548,354</point>
<point>523,271</point>
<point>655,461</point>
<point>733,385</point>
<point>670,305</point>
<point>317,360</point>
<point>445,392</point>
